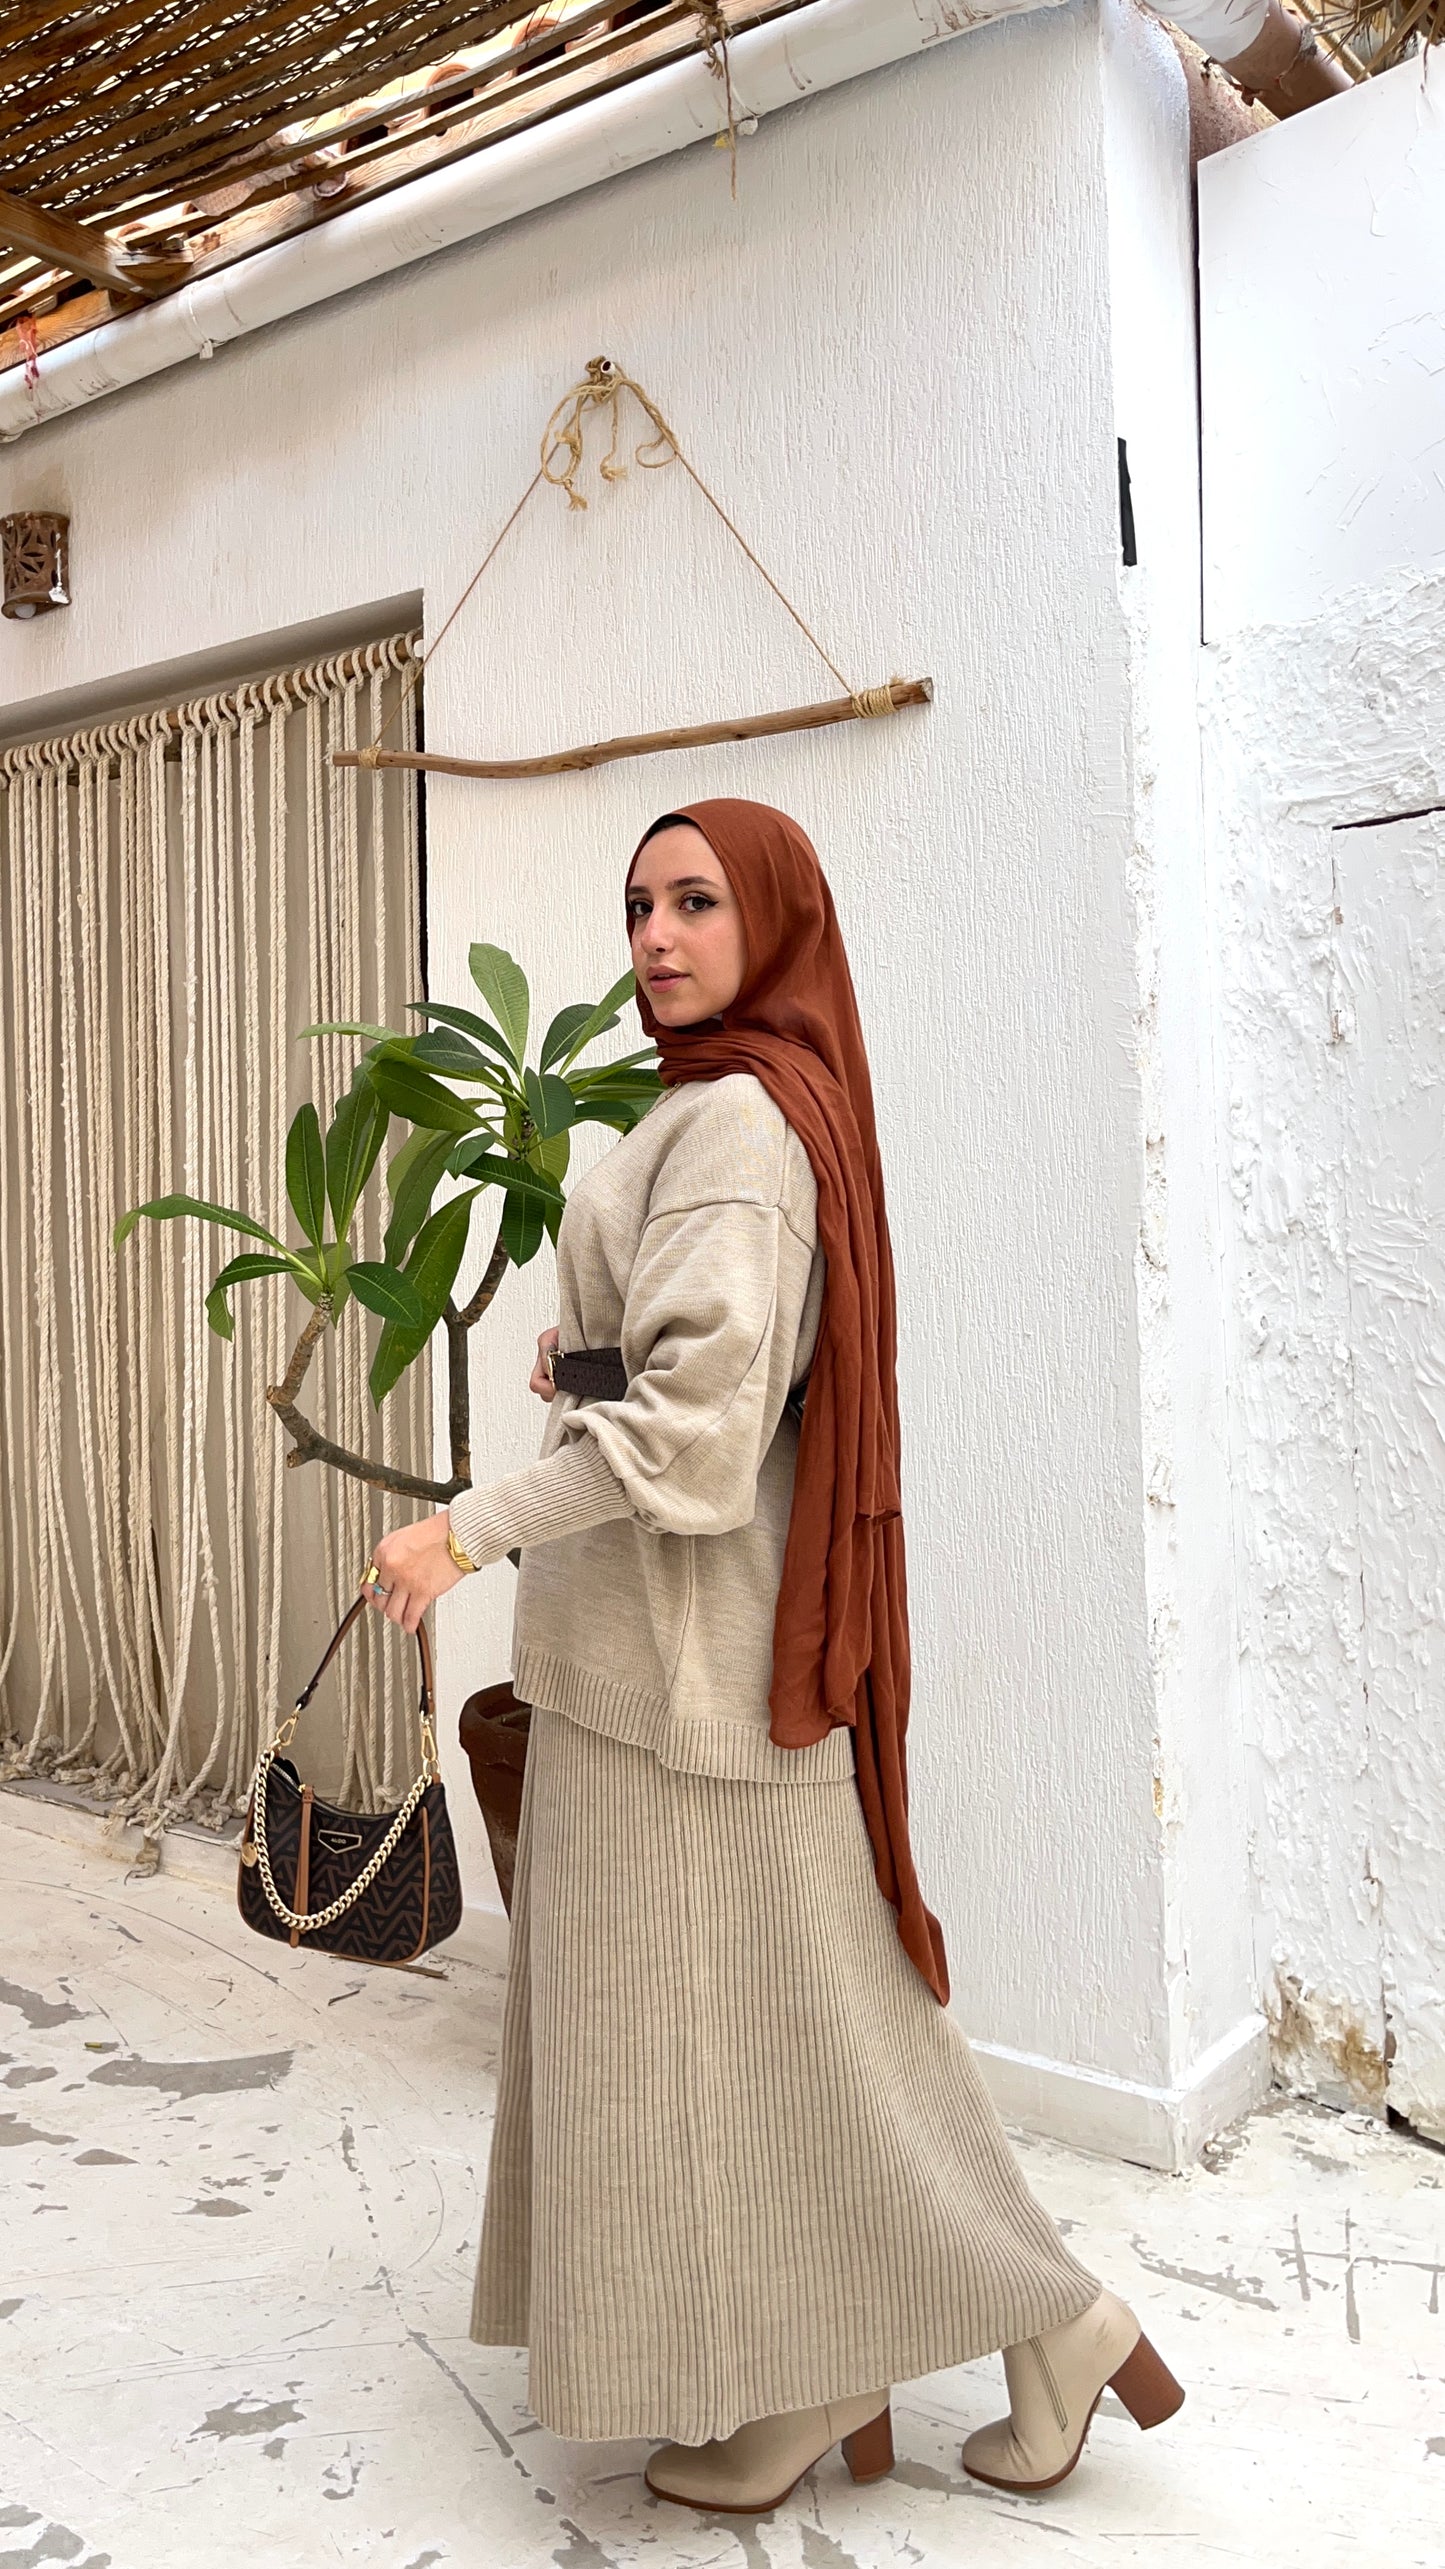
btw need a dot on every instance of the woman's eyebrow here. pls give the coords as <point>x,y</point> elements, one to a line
<point>681,883</point>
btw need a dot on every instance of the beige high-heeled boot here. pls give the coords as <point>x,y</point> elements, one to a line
<point>752,2470</point>
<point>1055,2383</point>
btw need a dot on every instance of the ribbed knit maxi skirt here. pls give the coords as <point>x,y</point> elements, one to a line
<point>743,2161</point>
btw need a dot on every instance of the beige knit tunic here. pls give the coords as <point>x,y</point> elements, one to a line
<point>743,2161</point>
<point>653,1527</point>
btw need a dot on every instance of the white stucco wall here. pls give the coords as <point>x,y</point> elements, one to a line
<point>893,356</point>
<point>1325,582</point>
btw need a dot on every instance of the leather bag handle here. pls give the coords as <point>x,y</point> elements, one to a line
<point>287,1731</point>
<point>423,1643</point>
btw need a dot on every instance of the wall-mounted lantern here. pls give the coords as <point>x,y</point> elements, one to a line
<point>35,560</point>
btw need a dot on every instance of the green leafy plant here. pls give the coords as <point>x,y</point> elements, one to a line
<point>481,1118</point>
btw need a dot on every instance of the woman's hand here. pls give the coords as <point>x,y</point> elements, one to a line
<point>416,1568</point>
<point>541,1382</point>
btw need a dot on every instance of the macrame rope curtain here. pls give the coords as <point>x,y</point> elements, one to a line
<point>563,441</point>
<point>181,894</point>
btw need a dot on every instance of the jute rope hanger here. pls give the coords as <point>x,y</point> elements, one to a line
<point>562,451</point>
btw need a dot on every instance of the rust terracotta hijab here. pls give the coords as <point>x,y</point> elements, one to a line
<point>840,1639</point>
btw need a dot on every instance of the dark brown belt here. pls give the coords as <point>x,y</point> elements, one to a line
<point>592,1373</point>
<point>598,1373</point>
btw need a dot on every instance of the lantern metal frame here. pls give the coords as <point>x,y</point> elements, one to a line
<point>34,563</point>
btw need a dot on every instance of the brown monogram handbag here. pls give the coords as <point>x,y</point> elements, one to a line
<point>381,1887</point>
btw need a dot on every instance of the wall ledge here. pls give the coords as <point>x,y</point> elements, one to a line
<point>1120,2118</point>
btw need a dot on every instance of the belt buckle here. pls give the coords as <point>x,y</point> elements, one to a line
<point>551,1360</point>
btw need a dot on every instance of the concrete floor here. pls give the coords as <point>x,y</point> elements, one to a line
<point>243,2200</point>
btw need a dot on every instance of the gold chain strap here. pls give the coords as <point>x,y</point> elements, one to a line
<point>369,1871</point>
<point>366,1876</point>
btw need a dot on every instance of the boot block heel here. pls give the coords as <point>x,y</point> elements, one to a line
<point>1147,2387</point>
<point>868,2451</point>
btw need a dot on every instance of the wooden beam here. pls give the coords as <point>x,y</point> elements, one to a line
<point>69,320</point>
<point>504,105</point>
<point>271,219</point>
<point>62,244</point>
<point>840,709</point>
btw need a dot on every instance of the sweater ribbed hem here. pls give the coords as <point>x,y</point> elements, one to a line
<point>740,1752</point>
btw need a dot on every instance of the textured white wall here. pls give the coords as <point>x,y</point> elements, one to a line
<point>893,356</point>
<point>1325,537</point>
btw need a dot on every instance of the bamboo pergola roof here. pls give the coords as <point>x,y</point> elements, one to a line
<point>144,143</point>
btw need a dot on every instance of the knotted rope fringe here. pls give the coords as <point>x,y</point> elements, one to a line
<point>165,929</point>
<point>563,441</point>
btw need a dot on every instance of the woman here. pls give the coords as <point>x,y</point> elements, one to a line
<point>745,2174</point>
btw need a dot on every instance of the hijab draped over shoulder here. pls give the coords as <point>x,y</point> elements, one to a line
<point>840,1637</point>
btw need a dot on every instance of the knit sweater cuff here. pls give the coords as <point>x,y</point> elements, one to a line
<point>564,1493</point>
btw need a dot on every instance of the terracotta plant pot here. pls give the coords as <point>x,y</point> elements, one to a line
<point>494,1728</point>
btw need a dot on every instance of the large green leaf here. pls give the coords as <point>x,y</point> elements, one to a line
<point>594,1022</point>
<point>399,1165</point>
<point>524,1225</point>
<point>413,1178</point>
<point>432,1267</point>
<point>453,1056</point>
<point>621,1083</point>
<point>465,1022</point>
<point>561,1031</point>
<point>443,1054</point>
<point>621,1113</point>
<point>579,1079</point>
<point>552,1104</point>
<point>393,1297</point>
<point>406,1089</point>
<point>618,1074</point>
<point>170,1208</point>
<point>628,1091</point>
<point>306,1173</point>
<point>498,1170</point>
<point>395,1350</point>
<point>553,1157</point>
<point>240,1271</point>
<point>336,1026</point>
<point>358,1129</point>
<point>503,985</point>
<point>485,1138</point>
<point>431,1271</point>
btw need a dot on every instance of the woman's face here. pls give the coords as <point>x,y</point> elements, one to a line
<point>688,948</point>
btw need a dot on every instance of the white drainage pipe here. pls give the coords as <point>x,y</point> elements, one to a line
<point>772,66</point>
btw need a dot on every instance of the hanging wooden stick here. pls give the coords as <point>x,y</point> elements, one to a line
<point>562,444</point>
<point>600,753</point>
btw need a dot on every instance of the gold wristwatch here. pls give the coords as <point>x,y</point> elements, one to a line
<point>462,1559</point>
